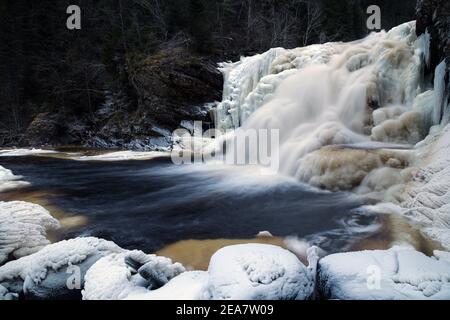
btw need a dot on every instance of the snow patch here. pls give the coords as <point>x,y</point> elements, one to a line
<point>24,152</point>
<point>123,156</point>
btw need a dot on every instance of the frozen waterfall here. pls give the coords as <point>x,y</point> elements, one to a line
<point>352,116</point>
<point>334,94</point>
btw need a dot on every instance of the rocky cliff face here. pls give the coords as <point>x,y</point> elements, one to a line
<point>433,16</point>
<point>173,84</point>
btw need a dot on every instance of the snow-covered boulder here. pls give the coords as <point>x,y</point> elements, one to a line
<point>250,271</point>
<point>23,229</point>
<point>55,272</point>
<point>131,273</point>
<point>395,274</point>
<point>259,272</point>
<point>191,285</point>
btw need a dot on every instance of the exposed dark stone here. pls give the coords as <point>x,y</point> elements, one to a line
<point>173,83</point>
<point>45,129</point>
<point>434,16</point>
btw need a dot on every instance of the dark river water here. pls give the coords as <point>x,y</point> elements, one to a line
<point>149,204</point>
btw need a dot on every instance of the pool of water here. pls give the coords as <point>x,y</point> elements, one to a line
<point>149,204</point>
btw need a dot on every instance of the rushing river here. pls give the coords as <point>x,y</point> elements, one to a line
<point>149,204</point>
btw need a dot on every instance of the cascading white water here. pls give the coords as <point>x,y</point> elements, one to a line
<point>322,97</point>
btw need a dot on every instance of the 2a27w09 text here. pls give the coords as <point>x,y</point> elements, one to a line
<point>246,309</point>
<point>226,309</point>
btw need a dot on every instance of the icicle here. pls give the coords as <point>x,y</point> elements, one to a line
<point>439,92</point>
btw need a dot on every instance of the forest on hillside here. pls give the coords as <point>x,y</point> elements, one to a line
<point>71,73</point>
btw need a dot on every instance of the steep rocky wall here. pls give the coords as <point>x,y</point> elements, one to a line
<point>433,16</point>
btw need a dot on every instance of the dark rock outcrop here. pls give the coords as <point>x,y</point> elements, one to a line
<point>45,129</point>
<point>172,84</point>
<point>433,16</point>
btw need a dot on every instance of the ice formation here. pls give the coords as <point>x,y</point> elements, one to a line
<point>9,181</point>
<point>23,229</point>
<point>395,274</point>
<point>46,273</point>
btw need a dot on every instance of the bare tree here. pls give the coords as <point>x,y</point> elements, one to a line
<point>313,20</point>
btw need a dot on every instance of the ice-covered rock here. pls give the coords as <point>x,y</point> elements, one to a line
<point>398,273</point>
<point>23,229</point>
<point>131,273</point>
<point>427,198</point>
<point>250,271</point>
<point>259,272</point>
<point>55,272</point>
<point>9,181</point>
<point>191,285</point>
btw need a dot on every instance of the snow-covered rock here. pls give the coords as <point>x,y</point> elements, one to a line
<point>9,181</point>
<point>250,271</point>
<point>259,272</point>
<point>55,272</point>
<point>191,285</point>
<point>131,273</point>
<point>398,273</point>
<point>23,229</point>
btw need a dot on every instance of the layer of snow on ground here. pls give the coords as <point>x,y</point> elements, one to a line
<point>9,181</point>
<point>23,228</point>
<point>259,272</point>
<point>133,273</point>
<point>427,198</point>
<point>123,156</point>
<point>403,273</point>
<point>45,274</point>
